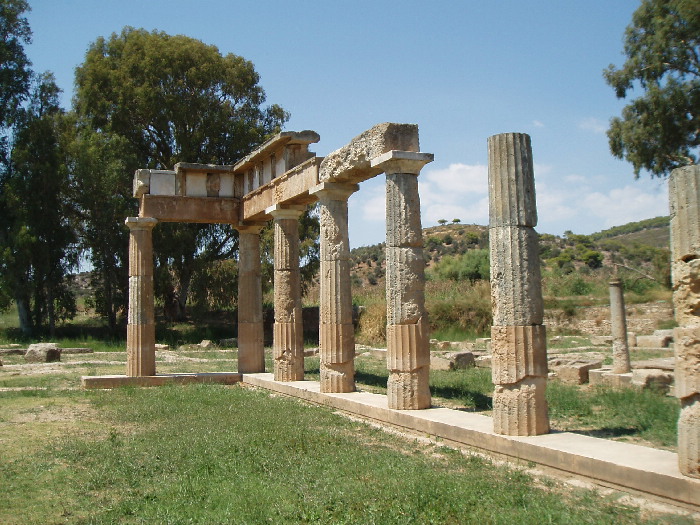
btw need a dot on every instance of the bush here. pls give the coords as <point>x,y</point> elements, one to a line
<point>472,265</point>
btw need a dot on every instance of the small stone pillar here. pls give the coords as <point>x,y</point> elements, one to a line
<point>518,337</point>
<point>336,331</point>
<point>407,331</point>
<point>251,354</point>
<point>684,197</point>
<point>141,328</point>
<point>288,337</point>
<point>618,323</point>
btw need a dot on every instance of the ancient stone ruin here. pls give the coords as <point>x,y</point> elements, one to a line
<point>277,181</point>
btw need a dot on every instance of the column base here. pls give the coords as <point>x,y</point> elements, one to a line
<point>251,351</point>
<point>140,350</point>
<point>409,390</point>
<point>337,378</point>
<point>520,409</point>
<point>288,351</point>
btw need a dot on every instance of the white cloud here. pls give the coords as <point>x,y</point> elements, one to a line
<point>594,125</point>
<point>630,203</point>
<point>457,192</point>
<point>537,124</point>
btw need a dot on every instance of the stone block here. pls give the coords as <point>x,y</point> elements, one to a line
<point>161,348</point>
<point>652,379</point>
<point>686,291</point>
<point>440,362</point>
<point>403,221</point>
<point>601,340</point>
<point>653,341</point>
<point>684,200</point>
<point>687,353</point>
<point>516,284</point>
<point>463,360</point>
<point>337,342</point>
<point>352,163</point>
<point>518,352</point>
<point>482,343</point>
<point>574,371</point>
<point>42,353</point>
<point>288,351</point>
<point>409,390</point>
<point>206,344</point>
<point>606,377</point>
<point>483,361</point>
<point>452,361</point>
<point>337,377</point>
<point>521,409</point>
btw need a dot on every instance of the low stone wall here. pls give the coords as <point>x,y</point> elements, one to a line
<point>595,320</point>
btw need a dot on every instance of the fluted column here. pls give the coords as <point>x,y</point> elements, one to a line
<point>684,197</point>
<point>288,337</point>
<point>407,332</point>
<point>251,355</point>
<point>618,324</point>
<point>336,331</point>
<point>141,328</point>
<point>518,337</point>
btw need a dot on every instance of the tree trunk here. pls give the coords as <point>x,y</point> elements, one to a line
<point>25,318</point>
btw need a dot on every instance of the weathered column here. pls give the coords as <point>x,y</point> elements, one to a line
<point>618,323</point>
<point>288,337</point>
<point>684,196</point>
<point>141,328</point>
<point>251,355</point>
<point>407,331</point>
<point>336,331</point>
<point>518,337</point>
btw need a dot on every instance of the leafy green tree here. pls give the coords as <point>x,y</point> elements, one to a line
<point>172,99</point>
<point>659,130</point>
<point>442,222</point>
<point>38,241</point>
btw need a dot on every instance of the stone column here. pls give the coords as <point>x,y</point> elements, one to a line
<point>336,331</point>
<point>141,328</point>
<point>407,331</point>
<point>288,337</point>
<point>618,323</point>
<point>251,355</point>
<point>684,196</point>
<point>518,337</point>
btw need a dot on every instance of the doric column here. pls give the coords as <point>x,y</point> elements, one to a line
<point>288,337</point>
<point>684,196</point>
<point>518,337</point>
<point>336,331</point>
<point>251,355</point>
<point>141,328</point>
<point>618,324</point>
<point>407,331</point>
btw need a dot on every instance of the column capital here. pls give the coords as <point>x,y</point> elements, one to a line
<point>140,223</point>
<point>408,162</point>
<point>252,228</point>
<point>279,211</point>
<point>335,191</point>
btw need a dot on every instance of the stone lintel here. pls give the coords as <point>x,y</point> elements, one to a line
<point>409,162</point>
<point>335,191</point>
<point>276,142</point>
<point>351,163</point>
<point>203,168</point>
<point>142,180</point>
<point>292,211</point>
<point>140,223</point>
<point>190,209</point>
<point>253,228</point>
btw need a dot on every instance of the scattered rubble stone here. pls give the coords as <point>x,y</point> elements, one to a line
<point>42,353</point>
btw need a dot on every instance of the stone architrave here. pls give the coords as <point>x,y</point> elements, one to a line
<point>618,323</point>
<point>140,329</point>
<point>336,331</point>
<point>684,197</point>
<point>288,337</point>
<point>408,350</point>
<point>518,337</point>
<point>251,353</point>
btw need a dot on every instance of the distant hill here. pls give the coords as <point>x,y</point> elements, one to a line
<point>652,232</point>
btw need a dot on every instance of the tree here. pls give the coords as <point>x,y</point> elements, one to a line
<point>172,99</point>
<point>442,222</point>
<point>456,221</point>
<point>660,130</point>
<point>38,241</point>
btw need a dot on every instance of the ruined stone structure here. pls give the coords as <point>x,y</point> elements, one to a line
<point>518,337</point>
<point>684,196</point>
<point>618,324</point>
<point>277,182</point>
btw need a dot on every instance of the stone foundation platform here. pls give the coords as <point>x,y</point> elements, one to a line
<point>115,381</point>
<point>631,468</point>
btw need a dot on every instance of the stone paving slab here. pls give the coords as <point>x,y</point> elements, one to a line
<point>624,466</point>
<point>114,381</point>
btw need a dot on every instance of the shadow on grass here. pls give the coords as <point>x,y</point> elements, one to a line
<point>475,399</point>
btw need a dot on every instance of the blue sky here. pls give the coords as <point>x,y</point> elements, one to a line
<point>461,70</point>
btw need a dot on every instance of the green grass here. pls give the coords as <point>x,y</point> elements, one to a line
<point>213,454</point>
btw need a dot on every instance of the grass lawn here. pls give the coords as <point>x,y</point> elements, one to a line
<point>214,454</point>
